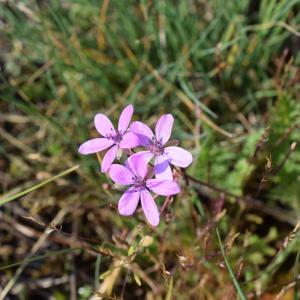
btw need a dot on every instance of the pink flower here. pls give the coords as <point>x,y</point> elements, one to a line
<point>134,174</point>
<point>112,138</point>
<point>164,156</point>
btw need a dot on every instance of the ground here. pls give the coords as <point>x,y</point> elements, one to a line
<point>228,71</point>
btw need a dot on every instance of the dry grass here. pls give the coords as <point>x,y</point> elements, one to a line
<point>227,71</point>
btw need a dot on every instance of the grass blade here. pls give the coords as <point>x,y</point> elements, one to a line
<point>37,186</point>
<point>170,290</point>
<point>231,273</point>
<point>39,257</point>
<point>296,269</point>
<point>97,271</point>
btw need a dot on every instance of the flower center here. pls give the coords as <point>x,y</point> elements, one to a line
<point>155,147</point>
<point>116,137</point>
<point>139,182</point>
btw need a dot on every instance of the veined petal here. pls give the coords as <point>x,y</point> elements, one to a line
<point>178,156</point>
<point>108,158</point>
<point>129,140</point>
<point>120,174</point>
<point>138,165</point>
<point>125,118</point>
<point>163,187</point>
<point>162,168</point>
<point>95,145</point>
<point>149,208</point>
<point>104,125</point>
<point>128,202</point>
<point>143,132</point>
<point>163,128</point>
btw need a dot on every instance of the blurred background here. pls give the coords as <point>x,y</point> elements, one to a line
<point>229,73</point>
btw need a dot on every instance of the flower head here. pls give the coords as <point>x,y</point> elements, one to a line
<point>112,138</point>
<point>155,146</point>
<point>134,174</point>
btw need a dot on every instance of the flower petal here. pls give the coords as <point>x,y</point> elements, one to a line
<point>128,202</point>
<point>125,118</point>
<point>138,165</point>
<point>149,208</point>
<point>163,128</point>
<point>129,140</point>
<point>162,168</point>
<point>143,132</point>
<point>95,145</point>
<point>144,155</point>
<point>163,187</point>
<point>120,174</point>
<point>108,158</point>
<point>104,125</point>
<point>178,156</point>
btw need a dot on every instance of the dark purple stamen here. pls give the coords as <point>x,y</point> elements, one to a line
<point>139,182</point>
<point>155,147</point>
<point>116,137</point>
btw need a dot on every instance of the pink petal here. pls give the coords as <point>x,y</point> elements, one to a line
<point>125,118</point>
<point>163,128</point>
<point>108,158</point>
<point>104,125</point>
<point>149,208</point>
<point>162,168</point>
<point>95,145</point>
<point>120,174</point>
<point>178,156</point>
<point>138,165</point>
<point>143,132</point>
<point>129,140</point>
<point>128,202</point>
<point>144,155</point>
<point>163,187</point>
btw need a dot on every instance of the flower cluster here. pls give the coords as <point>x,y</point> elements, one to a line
<point>137,173</point>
